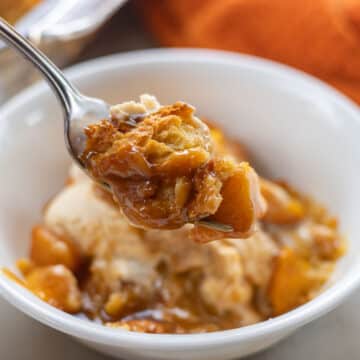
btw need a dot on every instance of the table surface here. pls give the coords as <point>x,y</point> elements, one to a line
<point>333,337</point>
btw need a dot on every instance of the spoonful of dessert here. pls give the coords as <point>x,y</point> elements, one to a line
<point>158,161</point>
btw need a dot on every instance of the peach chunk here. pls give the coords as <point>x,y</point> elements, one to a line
<point>48,248</point>
<point>241,204</point>
<point>25,266</point>
<point>291,281</point>
<point>57,286</point>
<point>283,208</point>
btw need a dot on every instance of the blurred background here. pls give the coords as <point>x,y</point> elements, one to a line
<point>321,37</point>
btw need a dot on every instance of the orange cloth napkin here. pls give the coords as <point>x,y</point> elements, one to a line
<point>321,37</point>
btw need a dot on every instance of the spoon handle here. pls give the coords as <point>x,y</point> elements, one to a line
<point>65,92</point>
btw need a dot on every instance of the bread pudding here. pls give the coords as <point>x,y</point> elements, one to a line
<point>86,258</point>
<point>164,171</point>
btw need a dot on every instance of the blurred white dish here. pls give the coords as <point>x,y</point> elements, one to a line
<point>59,28</point>
<point>297,128</point>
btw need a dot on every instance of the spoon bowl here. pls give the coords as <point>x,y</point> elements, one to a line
<point>84,111</point>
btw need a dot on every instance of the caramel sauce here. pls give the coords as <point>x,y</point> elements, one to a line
<point>185,314</point>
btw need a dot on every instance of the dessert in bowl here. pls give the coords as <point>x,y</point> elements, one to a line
<point>287,121</point>
<point>155,267</point>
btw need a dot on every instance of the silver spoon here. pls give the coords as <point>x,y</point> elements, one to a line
<point>79,110</point>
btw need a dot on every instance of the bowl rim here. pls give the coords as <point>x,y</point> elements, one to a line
<point>97,333</point>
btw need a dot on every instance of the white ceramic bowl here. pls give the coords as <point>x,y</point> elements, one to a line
<point>295,126</point>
